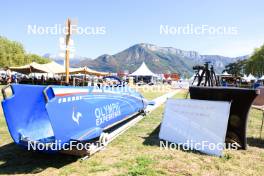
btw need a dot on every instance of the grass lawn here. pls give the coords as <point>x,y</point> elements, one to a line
<point>137,152</point>
<point>152,92</point>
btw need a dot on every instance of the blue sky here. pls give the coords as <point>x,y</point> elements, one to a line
<point>128,22</point>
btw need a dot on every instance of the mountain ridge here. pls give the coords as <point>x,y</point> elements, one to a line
<point>158,59</point>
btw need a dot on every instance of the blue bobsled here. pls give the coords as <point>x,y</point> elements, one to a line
<point>48,114</point>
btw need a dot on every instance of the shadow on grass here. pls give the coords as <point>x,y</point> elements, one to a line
<point>15,160</point>
<point>255,142</point>
<point>153,138</point>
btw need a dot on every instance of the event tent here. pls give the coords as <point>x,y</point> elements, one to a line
<point>53,68</point>
<point>226,74</point>
<point>34,67</point>
<point>249,78</point>
<point>144,74</point>
<point>262,78</point>
<point>26,69</point>
<point>143,70</point>
<point>244,77</point>
<point>86,70</point>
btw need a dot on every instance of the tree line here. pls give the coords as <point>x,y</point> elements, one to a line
<point>12,53</point>
<point>253,65</point>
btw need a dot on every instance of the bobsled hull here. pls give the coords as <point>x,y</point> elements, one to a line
<point>60,114</point>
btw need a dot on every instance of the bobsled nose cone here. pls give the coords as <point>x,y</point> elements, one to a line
<point>146,102</point>
<point>151,103</point>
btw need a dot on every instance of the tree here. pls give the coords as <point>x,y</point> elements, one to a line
<point>12,53</point>
<point>255,64</point>
<point>36,58</point>
<point>236,68</point>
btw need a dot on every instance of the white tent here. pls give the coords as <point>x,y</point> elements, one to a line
<point>53,68</point>
<point>144,74</point>
<point>169,78</point>
<point>226,74</point>
<point>251,78</point>
<point>262,78</point>
<point>143,70</point>
<point>244,77</point>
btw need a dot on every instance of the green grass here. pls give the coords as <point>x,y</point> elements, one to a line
<point>137,152</point>
<point>153,91</point>
<point>151,95</point>
<point>142,166</point>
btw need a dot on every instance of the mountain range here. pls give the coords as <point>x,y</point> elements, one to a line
<point>60,60</point>
<point>158,59</point>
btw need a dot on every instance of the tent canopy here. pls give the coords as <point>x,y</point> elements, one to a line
<point>34,67</point>
<point>226,74</point>
<point>143,70</point>
<point>249,78</point>
<point>86,70</point>
<point>244,77</point>
<point>262,78</point>
<point>26,69</point>
<point>53,68</point>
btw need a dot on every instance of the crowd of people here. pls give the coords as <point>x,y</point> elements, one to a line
<point>28,80</point>
<point>8,77</point>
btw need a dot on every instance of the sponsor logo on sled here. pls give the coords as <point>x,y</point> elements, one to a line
<point>107,112</point>
<point>76,116</point>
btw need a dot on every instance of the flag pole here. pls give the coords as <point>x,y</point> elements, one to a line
<point>67,52</point>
